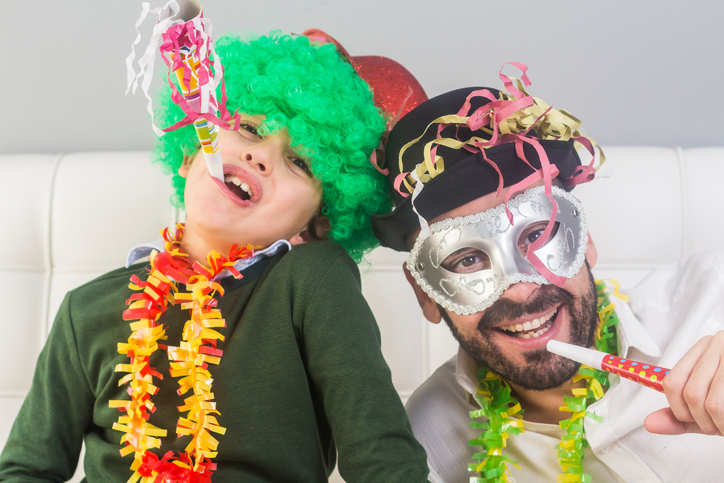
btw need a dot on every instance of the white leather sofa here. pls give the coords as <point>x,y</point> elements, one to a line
<point>68,218</point>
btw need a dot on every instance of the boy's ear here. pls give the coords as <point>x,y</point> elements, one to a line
<point>183,170</point>
<point>317,229</point>
<point>298,239</point>
<point>428,306</point>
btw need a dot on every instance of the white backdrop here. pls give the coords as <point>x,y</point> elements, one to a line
<point>636,73</point>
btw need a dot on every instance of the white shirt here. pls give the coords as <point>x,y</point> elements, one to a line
<point>668,312</point>
<point>144,250</point>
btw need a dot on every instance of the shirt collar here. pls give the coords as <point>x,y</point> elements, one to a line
<point>466,371</point>
<point>144,250</point>
<point>631,335</point>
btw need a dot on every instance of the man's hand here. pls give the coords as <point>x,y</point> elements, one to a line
<point>695,391</point>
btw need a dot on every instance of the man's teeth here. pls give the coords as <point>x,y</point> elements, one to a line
<point>230,178</point>
<point>543,322</point>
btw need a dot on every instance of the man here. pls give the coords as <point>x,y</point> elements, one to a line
<point>500,251</point>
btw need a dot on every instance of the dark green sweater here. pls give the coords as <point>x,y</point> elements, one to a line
<point>301,372</point>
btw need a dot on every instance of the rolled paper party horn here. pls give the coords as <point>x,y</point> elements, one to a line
<point>644,374</point>
<point>188,74</point>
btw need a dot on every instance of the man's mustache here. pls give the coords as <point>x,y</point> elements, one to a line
<point>504,309</point>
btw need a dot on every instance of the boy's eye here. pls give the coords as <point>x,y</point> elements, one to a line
<point>250,127</point>
<point>301,164</point>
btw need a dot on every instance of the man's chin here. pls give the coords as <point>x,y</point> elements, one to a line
<point>550,372</point>
<point>542,370</point>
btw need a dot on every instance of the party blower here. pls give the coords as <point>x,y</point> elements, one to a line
<point>183,37</point>
<point>645,374</point>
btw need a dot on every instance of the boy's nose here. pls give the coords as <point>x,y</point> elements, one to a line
<point>257,161</point>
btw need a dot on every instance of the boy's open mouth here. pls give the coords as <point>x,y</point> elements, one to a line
<point>240,189</point>
<point>531,329</point>
<point>239,186</point>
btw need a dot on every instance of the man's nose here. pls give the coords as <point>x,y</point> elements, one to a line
<point>521,292</point>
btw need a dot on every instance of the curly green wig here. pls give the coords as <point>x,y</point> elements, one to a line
<point>328,111</point>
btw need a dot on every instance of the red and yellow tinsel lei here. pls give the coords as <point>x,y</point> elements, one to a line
<point>169,271</point>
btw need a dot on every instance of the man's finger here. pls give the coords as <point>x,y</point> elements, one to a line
<point>676,380</point>
<point>663,421</point>
<point>715,401</point>
<point>704,391</point>
<point>698,389</point>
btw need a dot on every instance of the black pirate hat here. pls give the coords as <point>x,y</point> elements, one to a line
<point>472,162</point>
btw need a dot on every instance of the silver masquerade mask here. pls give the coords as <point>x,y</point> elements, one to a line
<point>466,263</point>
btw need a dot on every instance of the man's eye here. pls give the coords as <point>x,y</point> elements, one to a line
<point>466,260</point>
<point>533,236</point>
<point>250,127</point>
<point>533,233</point>
<point>469,261</point>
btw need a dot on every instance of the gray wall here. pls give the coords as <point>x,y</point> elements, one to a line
<point>635,72</point>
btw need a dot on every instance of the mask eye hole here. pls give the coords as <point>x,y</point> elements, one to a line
<point>532,233</point>
<point>467,260</point>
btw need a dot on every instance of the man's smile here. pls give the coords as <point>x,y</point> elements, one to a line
<point>531,329</point>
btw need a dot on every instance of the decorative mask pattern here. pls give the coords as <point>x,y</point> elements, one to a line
<point>494,249</point>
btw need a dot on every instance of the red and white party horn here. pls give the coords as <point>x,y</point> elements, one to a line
<point>645,374</point>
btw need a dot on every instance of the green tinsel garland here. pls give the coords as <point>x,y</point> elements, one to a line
<point>498,405</point>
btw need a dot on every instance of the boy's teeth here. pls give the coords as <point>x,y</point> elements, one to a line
<point>530,325</point>
<point>230,178</point>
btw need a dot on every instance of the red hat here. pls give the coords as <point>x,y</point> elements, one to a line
<point>395,89</point>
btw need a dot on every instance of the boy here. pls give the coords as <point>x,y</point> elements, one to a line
<point>296,369</point>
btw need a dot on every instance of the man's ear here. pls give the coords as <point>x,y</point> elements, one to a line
<point>183,170</point>
<point>591,252</point>
<point>317,229</point>
<point>428,305</point>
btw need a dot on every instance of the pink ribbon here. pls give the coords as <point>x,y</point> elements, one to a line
<point>186,35</point>
<point>509,83</point>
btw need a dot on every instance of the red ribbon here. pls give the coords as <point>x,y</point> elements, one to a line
<point>169,472</point>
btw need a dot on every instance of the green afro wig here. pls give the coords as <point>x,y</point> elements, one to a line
<point>328,111</point>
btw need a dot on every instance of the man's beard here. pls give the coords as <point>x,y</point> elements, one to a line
<point>542,370</point>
